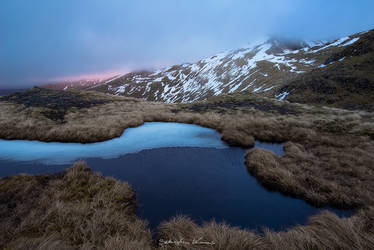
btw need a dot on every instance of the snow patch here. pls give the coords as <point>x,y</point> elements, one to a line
<point>351,42</point>
<point>267,89</point>
<point>305,61</point>
<point>282,95</point>
<point>249,85</point>
<point>120,90</point>
<point>336,43</point>
<point>257,89</point>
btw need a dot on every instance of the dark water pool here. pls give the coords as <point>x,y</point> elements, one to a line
<point>202,182</point>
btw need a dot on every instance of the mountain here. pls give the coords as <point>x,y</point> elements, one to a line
<point>273,68</point>
<point>345,80</point>
<point>258,68</point>
<point>338,73</point>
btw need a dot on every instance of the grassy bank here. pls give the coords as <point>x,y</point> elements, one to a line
<point>76,208</point>
<point>328,160</point>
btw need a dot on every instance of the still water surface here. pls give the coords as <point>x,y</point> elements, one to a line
<point>175,169</point>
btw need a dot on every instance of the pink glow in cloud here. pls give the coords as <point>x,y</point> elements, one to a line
<point>88,76</point>
<point>100,76</point>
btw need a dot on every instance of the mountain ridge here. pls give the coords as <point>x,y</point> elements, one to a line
<point>226,72</point>
<point>273,68</point>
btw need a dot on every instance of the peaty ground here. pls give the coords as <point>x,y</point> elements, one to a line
<point>328,160</point>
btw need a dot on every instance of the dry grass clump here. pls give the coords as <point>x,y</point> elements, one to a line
<point>185,234</point>
<point>324,231</point>
<point>321,176</point>
<point>76,208</point>
<point>97,123</point>
<point>237,138</point>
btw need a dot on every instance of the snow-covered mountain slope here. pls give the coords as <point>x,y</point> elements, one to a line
<point>261,68</point>
<point>265,68</point>
<point>344,80</point>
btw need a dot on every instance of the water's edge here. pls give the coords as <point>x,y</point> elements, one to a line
<point>168,164</point>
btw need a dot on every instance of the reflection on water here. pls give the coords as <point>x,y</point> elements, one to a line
<point>147,136</point>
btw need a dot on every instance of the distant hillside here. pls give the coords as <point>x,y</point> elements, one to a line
<point>272,68</point>
<point>339,73</point>
<point>345,80</point>
<point>259,68</point>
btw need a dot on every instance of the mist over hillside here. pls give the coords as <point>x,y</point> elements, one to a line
<point>273,67</point>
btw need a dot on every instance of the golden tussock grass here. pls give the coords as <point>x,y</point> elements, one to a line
<point>324,231</point>
<point>76,208</point>
<point>328,160</point>
<point>321,176</point>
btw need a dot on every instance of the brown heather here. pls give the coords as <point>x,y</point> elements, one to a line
<point>324,231</point>
<point>328,160</point>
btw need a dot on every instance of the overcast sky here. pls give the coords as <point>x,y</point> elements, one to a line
<point>46,40</point>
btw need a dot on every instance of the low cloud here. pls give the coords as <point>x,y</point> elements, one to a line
<point>43,40</point>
